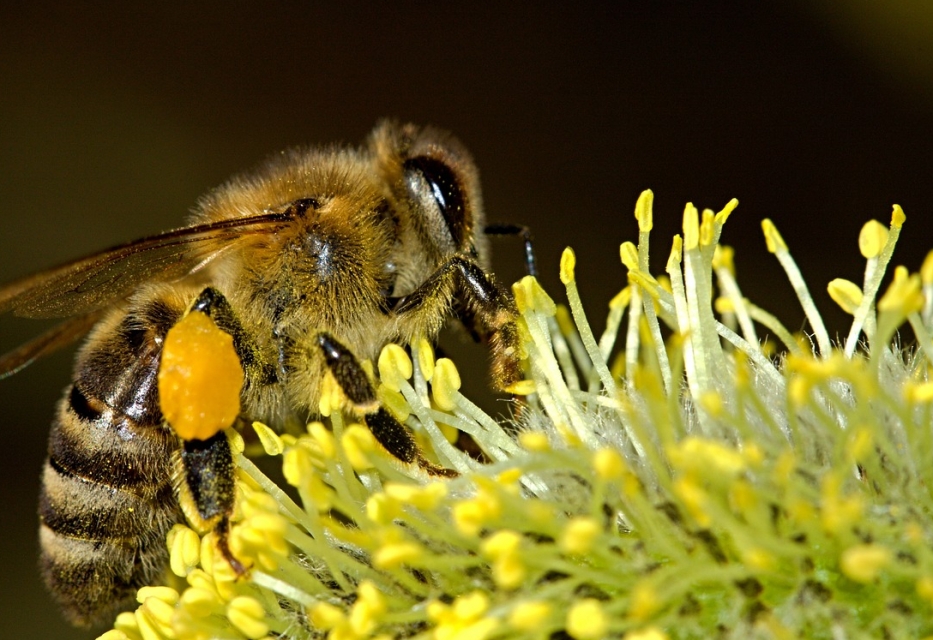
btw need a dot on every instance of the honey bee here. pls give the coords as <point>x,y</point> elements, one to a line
<point>312,263</point>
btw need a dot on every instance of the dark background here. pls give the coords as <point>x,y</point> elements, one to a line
<point>113,120</point>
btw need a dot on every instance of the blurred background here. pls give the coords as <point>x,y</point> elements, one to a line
<point>113,120</point>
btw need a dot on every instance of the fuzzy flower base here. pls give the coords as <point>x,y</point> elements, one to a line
<point>698,484</point>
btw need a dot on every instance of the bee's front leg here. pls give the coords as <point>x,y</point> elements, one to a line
<point>492,312</point>
<point>391,434</point>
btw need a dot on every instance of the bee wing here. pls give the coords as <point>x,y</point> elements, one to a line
<point>88,284</point>
<point>58,337</point>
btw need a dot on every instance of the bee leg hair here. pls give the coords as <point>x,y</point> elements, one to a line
<point>391,434</point>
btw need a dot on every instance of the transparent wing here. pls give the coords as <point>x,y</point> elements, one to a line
<point>58,337</point>
<point>88,284</point>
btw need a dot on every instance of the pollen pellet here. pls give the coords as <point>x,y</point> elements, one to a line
<point>200,378</point>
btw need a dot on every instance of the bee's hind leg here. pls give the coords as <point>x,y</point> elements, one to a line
<point>208,486</point>
<point>391,434</point>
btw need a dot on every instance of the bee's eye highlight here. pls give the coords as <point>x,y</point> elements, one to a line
<point>432,180</point>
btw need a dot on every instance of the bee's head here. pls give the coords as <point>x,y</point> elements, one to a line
<point>435,183</point>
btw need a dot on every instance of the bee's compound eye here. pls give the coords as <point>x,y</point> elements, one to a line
<point>435,185</point>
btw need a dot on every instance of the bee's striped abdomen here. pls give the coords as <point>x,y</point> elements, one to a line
<point>107,498</point>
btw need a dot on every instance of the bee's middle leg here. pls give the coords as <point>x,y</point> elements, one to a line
<point>388,431</point>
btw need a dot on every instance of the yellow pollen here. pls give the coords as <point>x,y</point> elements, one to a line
<point>199,378</point>
<point>529,616</point>
<point>586,620</point>
<point>644,210</point>
<point>446,384</point>
<point>863,563</point>
<point>872,238</point>
<point>568,262</point>
<point>691,227</point>
<point>394,366</point>
<point>773,239</point>
<point>846,294</point>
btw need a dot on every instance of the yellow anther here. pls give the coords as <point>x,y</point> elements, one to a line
<point>759,559</point>
<point>773,239</point>
<point>471,515</point>
<point>918,392</point>
<point>394,366</point>
<point>644,601</point>
<point>424,352</point>
<point>691,227</point>
<point>522,388</point>
<point>531,296</point>
<point>395,402</point>
<point>297,465</point>
<point>269,439</point>
<point>872,238</point>
<point>529,616</point>
<point>629,255</point>
<point>471,606</point>
<point>165,594</point>
<point>565,320</point>
<point>501,543</point>
<point>446,384</point>
<point>723,304</point>
<point>200,602</point>
<point>926,269</point>
<point>644,210</point>
<point>199,378</point>
<point>247,615</point>
<point>509,571</point>
<point>368,592</point>
<point>726,211</point>
<point>924,588</point>
<point>860,443</point>
<point>425,498</point>
<point>706,228</point>
<point>694,453</point>
<point>897,216</point>
<point>712,403</point>
<point>579,535</point>
<point>332,397</point>
<point>323,439</point>
<point>864,562</point>
<point>587,620</point>
<point>396,554</point>
<point>358,442</point>
<point>846,294</point>
<point>237,444</point>
<point>677,252</point>
<point>724,258</point>
<point>534,441</point>
<point>621,299</point>
<point>694,498</point>
<point>326,616</point>
<point>568,262</point>
<point>904,295</point>
<point>113,634</point>
<point>382,509</point>
<point>608,464</point>
<point>149,628</point>
<point>126,623</point>
<point>509,478</point>
<point>184,549</point>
